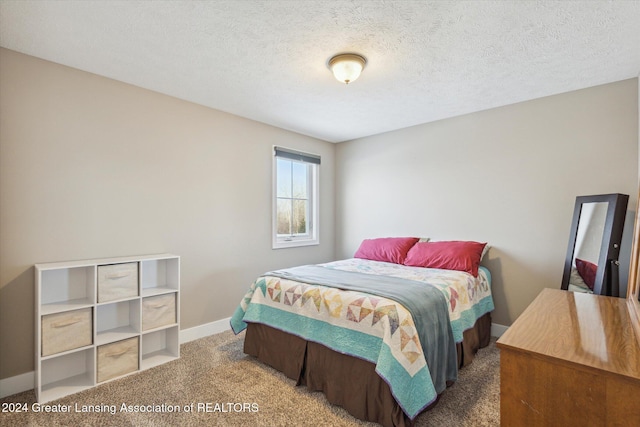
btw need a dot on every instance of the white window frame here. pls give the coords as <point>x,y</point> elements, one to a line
<point>313,189</point>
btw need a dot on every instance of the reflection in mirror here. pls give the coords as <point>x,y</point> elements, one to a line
<point>584,265</point>
<point>591,264</point>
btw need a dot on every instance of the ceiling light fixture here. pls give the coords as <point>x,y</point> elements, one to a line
<point>346,67</point>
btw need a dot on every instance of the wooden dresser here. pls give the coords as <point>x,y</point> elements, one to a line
<point>571,359</point>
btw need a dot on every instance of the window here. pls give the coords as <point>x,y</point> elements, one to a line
<point>295,200</point>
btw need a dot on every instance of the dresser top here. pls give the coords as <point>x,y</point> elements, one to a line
<point>588,330</point>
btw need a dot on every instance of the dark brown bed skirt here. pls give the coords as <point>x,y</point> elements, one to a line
<point>345,380</point>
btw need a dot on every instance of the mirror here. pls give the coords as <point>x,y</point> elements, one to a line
<point>591,264</point>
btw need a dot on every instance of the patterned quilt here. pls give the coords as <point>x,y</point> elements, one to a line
<point>367,326</point>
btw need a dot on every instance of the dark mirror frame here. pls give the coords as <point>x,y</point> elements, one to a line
<point>606,281</point>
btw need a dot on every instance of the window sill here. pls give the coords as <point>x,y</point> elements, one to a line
<point>294,243</point>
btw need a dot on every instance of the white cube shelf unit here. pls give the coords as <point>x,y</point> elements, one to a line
<point>91,317</point>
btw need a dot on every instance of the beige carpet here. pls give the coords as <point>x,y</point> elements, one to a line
<point>241,391</point>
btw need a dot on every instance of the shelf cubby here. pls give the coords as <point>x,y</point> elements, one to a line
<point>67,288</point>
<point>66,374</point>
<point>159,276</point>
<point>117,321</point>
<point>160,346</point>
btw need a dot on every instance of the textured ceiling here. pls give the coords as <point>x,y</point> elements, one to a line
<point>266,60</point>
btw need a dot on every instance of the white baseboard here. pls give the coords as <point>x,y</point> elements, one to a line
<point>17,384</point>
<point>205,330</point>
<point>498,330</point>
<point>24,382</point>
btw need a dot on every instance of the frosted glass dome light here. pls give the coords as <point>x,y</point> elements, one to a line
<point>346,67</point>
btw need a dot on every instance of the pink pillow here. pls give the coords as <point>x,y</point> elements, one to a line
<point>454,255</point>
<point>587,271</point>
<point>386,249</point>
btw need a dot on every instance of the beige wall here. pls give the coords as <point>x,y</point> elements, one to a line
<point>91,167</point>
<point>508,176</point>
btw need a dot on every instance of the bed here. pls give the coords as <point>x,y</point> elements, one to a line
<point>379,334</point>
